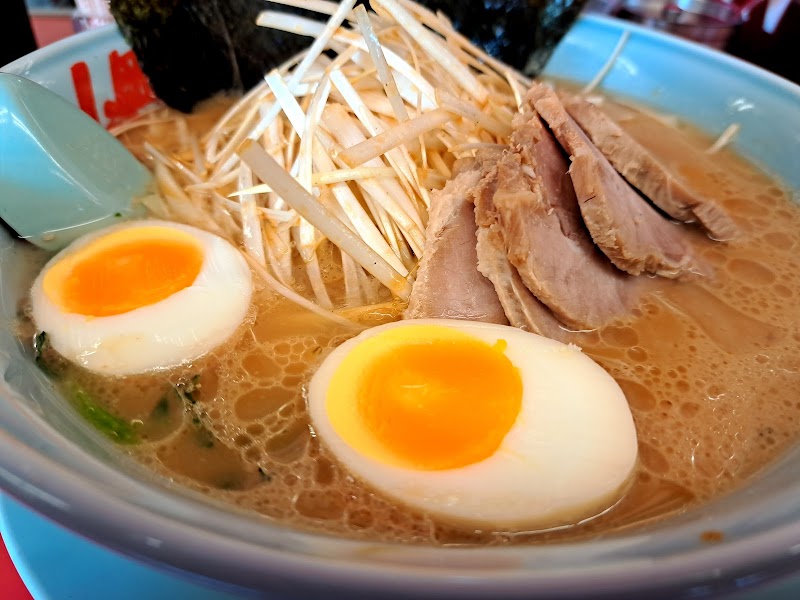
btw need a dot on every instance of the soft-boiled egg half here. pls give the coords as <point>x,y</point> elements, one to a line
<point>141,296</point>
<point>476,423</point>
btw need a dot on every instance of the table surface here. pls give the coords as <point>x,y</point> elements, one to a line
<point>57,564</point>
<point>10,583</point>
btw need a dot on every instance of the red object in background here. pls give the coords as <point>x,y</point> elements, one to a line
<point>11,586</point>
<point>51,27</point>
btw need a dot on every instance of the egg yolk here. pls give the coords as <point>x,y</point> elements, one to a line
<point>427,404</point>
<point>124,270</point>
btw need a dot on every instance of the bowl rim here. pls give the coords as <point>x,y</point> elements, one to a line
<point>57,48</point>
<point>109,517</point>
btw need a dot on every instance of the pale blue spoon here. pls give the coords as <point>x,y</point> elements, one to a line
<point>61,173</point>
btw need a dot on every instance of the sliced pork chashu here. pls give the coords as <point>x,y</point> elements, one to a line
<point>547,244</point>
<point>521,307</point>
<point>448,284</point>
<point>646,173</point>
<point>631,233</point>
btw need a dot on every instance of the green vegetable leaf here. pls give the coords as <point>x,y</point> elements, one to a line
<point>203,437</point>
<point>48,360</point>
<point>40,343</point>
<point>186,390</point>
<point>161,409</point>
<point>110,425</point>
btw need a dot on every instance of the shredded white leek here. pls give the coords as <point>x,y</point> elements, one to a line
<point>305,204</point>
<point>342,144</point>
<point>609,64</point>
<point>725,138</point>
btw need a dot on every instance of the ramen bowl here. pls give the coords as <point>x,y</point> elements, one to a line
<point>54,463</point>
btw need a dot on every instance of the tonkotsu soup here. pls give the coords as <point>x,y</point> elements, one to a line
<point>364,186</point>
<point>709,368</point>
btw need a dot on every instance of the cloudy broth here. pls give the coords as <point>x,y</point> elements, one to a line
<point>710,368</point>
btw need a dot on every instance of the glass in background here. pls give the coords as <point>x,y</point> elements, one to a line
<point>90,14</point>
<point>770,43</point>
<point>764,32</point>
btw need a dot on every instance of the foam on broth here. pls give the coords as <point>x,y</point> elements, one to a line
<point>710,369</point>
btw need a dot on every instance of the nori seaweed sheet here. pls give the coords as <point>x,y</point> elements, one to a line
<point>521,33</point>
<point>191,50</point>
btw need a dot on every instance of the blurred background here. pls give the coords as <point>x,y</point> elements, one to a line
<point>764,32</point>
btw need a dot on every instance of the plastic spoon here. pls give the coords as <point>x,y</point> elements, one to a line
<point>61,173</point>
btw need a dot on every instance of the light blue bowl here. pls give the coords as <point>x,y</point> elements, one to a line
<point>698,84</point>
<point>52,462</point>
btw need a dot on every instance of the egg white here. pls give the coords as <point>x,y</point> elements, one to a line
<point>168,333</point>
<point>568,456</point>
